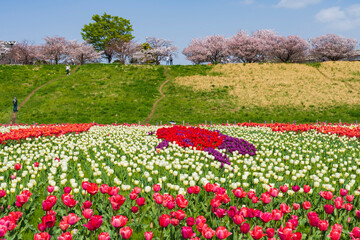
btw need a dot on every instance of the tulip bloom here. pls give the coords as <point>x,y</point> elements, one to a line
<point>306,205</point>
<point>181,201</point>
<point>65,236</point>
<point>257,232</point>
<point>87,213</point>
<point>190,221</point>
<point>270,232</point>
<point>355,233</point>
<point>42,236</point>
<point>164,220</point>
<point>117,201</point>
<point>207,232</point>
<point>67,189</point>
<point>134,209</point>
<point>50,189</point>
<point>323,225</point>
<point>265,198</point>
<point>140,201</point>
<point>104,236</point>
<point>222,233</point>
<point>72,218</point>
<point>94,223</point>
<point>307,188</point>
<point>104,188</point>
<point>148,235</point>
<point>126,232</point>
<point>17,166</point>
<point>329,209</point>
<point>119,221</point>
<point>156,188</point>
<point>92,188</point>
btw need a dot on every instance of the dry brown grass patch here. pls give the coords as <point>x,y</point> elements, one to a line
<point>284,84</point>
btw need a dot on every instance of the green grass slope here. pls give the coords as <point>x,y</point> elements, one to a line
<point>107,93</point>
<point>19,81</point>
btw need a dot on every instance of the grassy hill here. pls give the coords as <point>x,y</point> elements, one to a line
<point>235,92</point>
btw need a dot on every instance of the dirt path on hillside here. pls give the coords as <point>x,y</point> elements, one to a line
<point>13,117</point>
<point>162,96</point>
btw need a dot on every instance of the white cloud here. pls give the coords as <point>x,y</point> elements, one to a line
<point>340,19</point>
<point>295,4</point>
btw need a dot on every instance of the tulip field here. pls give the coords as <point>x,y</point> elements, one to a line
<point>121,181</point>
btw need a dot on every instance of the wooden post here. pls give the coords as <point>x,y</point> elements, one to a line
<point>265,121</point>
<point>160,123</point>
<point>205,122</point>
<point>340,121</point>
<point>356,122</point>
<point>183,123</point>
<point>234,122</point>
<point>295,122</point>
<point>210,122</point>
<point>227,122</point>
<point>115,122</point>
<point>272,121</point>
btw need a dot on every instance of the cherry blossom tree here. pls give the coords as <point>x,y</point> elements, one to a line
<point>158,49</point>
<point>333,47</point>
<point>123,50</point>
<point>290,49</point>
<point>245,48</point>
<point>267,41</point>
<point>55,49</point>
<point>26,53</point>
<point>212,49</point>
<point>196,51</point>
<point>4,52</point>
<point>82,53</point>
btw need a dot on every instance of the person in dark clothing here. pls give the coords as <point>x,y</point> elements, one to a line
<point>15,104</point>
<point>171,60</point>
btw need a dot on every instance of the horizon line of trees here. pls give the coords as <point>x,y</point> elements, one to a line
<point>110,37</point>
<point>268,46</point>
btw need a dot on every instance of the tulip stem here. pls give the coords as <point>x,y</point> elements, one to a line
<point>161,233</point>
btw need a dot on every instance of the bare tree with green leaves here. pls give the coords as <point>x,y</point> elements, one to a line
<point>104,29</point>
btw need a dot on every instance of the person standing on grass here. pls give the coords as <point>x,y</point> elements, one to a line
<point>15,105</point>
<point>68,69</point>
<point>171,60</point>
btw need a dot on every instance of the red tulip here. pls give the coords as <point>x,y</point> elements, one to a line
<point>68,200</point>
<point>171,205</point>
<point>355,233</point>
<point>137,190</point>
<point>357,212</point>
<point>296,206</point>
<point>72,218</point>
<point>266,217</point>
<point>257,233</point>
<point>42,236</point>
<point>207,232</point>
<point>245,228</point>
<point>104,235</point>
<point>41,227</point>
<point>187,232</point>
<point>238,219</point>
<point>92,188</point>
<point>87,213</point>
<point>134,209</point>
<point>295,188</point>
<point>181,201</point>
<point>50,188</point>
<point>196,190</point>
<point>306,205</point>
<point>104,188</point>
<point>174,222</point>
<point>323,225</point>
<point>47,205</point>
<point>348,206</point>
<point>251,194</point>
<point>140,201</point>
<point>277,215</point>
<point>307,188</point>
<point>220,212</point>
<point>180,215</point>
<point>190,221</point>
<point>349,198</point>
<point>48,221</point>
<point>284,188</point>
<point>67,189</point>
<point>156,188</point>
<point>148,235</point>
<point>36,164</point>
<point>2,193</point>
<point>64,225</point>
<point>274,192</point>
<point>313,219</point>
<point>112,191</point>
<point>119,221</point>
<point>84,185</point>
<point>255,200</point>
<point>222,233</point>
<point>117,201</point>
<point>270,232</point>
<point>335,235</point>
<point>343,192</point>
<point>265,198</point>
<point>329,209</point>
<point>87,204</point>
<point>285,233</point>
<point>65,236</point>
<point>328,195</point>
<point>284,208</point>
<point>133,195</point>
<point>239,192</point>
<point>164,220</point>
<point>17,166</point>
<point>94,223</point>
<point>126,232</point>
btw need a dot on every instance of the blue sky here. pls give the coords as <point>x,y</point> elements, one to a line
<point>182,20</point>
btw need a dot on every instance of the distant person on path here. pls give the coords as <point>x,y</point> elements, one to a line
<point>73,61</point>
<point>68,69</point>
<point>15,105</point>
<point>167,59</point>
<point>171,60</point>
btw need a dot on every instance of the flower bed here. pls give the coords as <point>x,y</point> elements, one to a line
<point>110,182</point>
